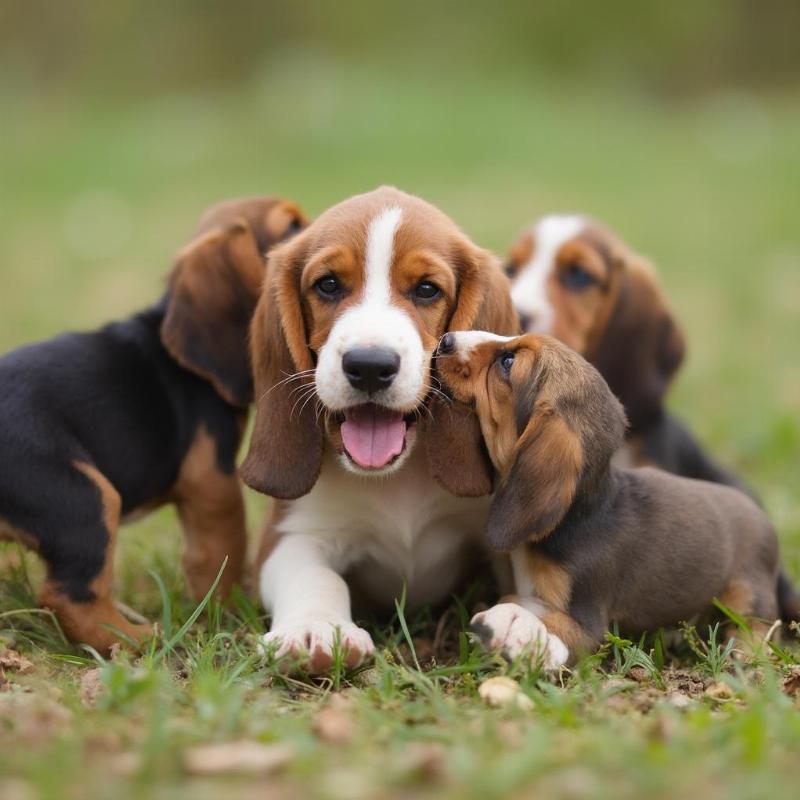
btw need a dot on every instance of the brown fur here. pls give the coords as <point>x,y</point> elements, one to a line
<point>640,547</point>
<point>211,509</point>
<point>622,323</point>
<point>292,323</point>
<point>96,622</point>
<point>214,287</point>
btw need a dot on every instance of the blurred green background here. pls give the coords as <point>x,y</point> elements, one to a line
<point>678,124</point>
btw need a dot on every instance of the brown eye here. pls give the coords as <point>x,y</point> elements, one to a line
<point>328,287</point>
<point>576,278</point>
<point>426,291</point>
<point>510,269</point>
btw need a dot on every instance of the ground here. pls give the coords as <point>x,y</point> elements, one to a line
<point>96,198</point>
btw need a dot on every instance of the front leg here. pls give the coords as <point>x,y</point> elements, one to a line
<point>516,627</point>
<point>310,606</point>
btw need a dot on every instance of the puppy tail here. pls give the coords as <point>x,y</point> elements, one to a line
<point>788,599</point>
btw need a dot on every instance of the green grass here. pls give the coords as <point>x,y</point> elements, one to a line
<point>97,197</point>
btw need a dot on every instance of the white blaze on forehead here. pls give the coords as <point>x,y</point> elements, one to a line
<point>375,321</point>
<point>380,248</point>
<point>529,289</point>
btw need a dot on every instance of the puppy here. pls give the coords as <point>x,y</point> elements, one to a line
<point>575,280</point>
<point>591,543</point>
<point>383,490</point>
<point>98,426</point>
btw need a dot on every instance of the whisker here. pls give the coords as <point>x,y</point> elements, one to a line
<point>296,376</point>
<point>312,390</point>
<point>308,399</point>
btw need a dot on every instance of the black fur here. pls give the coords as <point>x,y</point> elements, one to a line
<point>113,398</point>
<point>667,442</point>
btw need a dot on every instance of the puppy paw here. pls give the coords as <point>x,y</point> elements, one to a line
<point>310,646</point>
<point>513,631</point>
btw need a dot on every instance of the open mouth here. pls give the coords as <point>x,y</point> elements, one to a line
<point>374,436</point>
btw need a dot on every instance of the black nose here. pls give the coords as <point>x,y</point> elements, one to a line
<point>447,345</point>
<point>370,368</point>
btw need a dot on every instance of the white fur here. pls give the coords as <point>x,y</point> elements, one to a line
<point>516,631</point>
<point>467,341</point>
<point>529,289</point>
<point>375,322</point>
<point>522,576</point>
<point>404,530</point>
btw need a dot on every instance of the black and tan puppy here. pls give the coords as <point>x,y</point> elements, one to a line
<point>591,543</point>
<point>97,426</point>
<point>574,279</point>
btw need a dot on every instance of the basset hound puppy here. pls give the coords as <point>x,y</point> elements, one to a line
<point>98,426</point>
<point>591,543</point>
<point>575,280</point>
<point>379,485</point>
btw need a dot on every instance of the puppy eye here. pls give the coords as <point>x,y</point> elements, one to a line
<point>506,361</point>
<point>425,290</point>
<point>510,269</point>
<point>575,277</point>
<point>328,287</point>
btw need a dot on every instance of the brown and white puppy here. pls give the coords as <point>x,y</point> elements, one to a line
<point>347,431</point>
<point>590,543</point>
<point>575,280</point>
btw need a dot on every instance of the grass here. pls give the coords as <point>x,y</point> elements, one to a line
<point>96,198</point>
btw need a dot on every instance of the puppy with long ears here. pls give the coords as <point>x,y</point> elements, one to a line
<point>575,280</point>
<point>98,426</point>
<point>380,484</point>
<point>591,543</point>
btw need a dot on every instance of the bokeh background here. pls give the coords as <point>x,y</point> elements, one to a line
<point>676,123</point>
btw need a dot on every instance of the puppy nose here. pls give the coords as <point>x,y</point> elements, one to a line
<point>370,369</point>
<point>447,345</point>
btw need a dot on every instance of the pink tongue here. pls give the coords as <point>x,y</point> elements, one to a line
<point>372,435</point>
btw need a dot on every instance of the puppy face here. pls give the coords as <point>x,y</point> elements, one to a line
<point>574,280</point>
<point>360,300</point>
<point>549,421</point>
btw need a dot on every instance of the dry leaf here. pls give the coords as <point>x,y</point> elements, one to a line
<point>12,661</point>
<point>791,684</point>
<point>244,756</point>
<point>91,688</point>
<point>502,692</point>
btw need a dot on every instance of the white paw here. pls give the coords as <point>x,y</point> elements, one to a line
<point>309,646</point>
<point>513,630</point>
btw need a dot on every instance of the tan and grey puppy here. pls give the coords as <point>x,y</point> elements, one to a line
<point>591,543</point>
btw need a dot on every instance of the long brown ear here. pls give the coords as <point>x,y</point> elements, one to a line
<point>285,455</point>
<point>541,484</point>
<point>642,346</point>
<point>212,294</point>
<point>457,457</point>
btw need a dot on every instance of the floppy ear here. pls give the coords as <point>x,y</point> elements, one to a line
<point>212,294</point>
<point>642,346</point>
<point>541,484</point>
<point>285,455</point>
<point>456,454</point>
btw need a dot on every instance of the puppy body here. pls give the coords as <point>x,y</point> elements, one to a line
<point>98,426</point>
<point>592,543</point>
